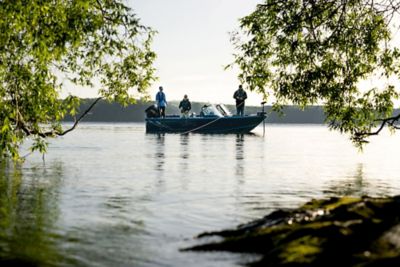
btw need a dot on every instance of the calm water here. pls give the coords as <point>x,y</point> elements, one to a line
<point>111,195</point>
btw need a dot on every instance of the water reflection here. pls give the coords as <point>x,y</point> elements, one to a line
<point>354,185</point>
<point>239,156</point>
<point>29,209</point>
<point>184,142</point>
<point>184,150</point>
<point>184,155</point>
<point>160,152</point>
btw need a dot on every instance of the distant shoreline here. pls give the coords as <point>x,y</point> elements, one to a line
<point>114,112</point>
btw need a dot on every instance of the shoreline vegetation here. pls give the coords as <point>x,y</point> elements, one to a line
<point>330,232</point>
<point>114,112</point>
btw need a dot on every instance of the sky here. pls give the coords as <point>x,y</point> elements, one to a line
<point>193,46</point>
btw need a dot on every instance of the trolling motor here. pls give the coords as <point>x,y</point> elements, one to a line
<point>263,103</point>
<point>262,113</point>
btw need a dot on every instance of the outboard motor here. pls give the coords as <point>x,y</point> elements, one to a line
<point>152,112</point>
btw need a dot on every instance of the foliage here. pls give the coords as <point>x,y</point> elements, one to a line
<point>307,52</point>
<point>85,42</point>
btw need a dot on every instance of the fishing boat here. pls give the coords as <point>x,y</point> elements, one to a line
<point>213,119</point>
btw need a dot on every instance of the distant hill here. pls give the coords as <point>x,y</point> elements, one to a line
<point>114,112</point>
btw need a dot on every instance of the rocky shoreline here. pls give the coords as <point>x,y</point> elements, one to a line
<point>330,232</point>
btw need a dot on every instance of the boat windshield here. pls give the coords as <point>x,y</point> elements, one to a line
<point>211,110</point>
<point>223,110</point>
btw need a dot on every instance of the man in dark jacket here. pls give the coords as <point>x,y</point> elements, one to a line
<point>185,106</point>
<point>240,96</point>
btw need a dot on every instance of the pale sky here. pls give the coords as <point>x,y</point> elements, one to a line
<point>193,46</point>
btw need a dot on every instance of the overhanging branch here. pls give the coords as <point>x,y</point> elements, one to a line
<point>391,121</point>
<point>80,117</point>
<point>28,131</point>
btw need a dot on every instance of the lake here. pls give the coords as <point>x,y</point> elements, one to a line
<point>112,195</point>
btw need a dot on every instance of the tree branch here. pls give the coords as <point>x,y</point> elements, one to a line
<point>20,124</point>
<point>390,121</point>
<point>80,117</point>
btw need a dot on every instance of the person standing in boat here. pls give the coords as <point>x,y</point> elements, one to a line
<point>240,96</point>
<point>161,102</point>
<point>185,106</point>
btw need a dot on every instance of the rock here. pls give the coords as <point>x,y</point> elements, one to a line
<point>331,232</point>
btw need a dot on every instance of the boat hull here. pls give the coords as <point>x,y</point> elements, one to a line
<point>213,125</point>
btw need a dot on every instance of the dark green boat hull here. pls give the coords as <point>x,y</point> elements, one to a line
<point>212,124</point>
